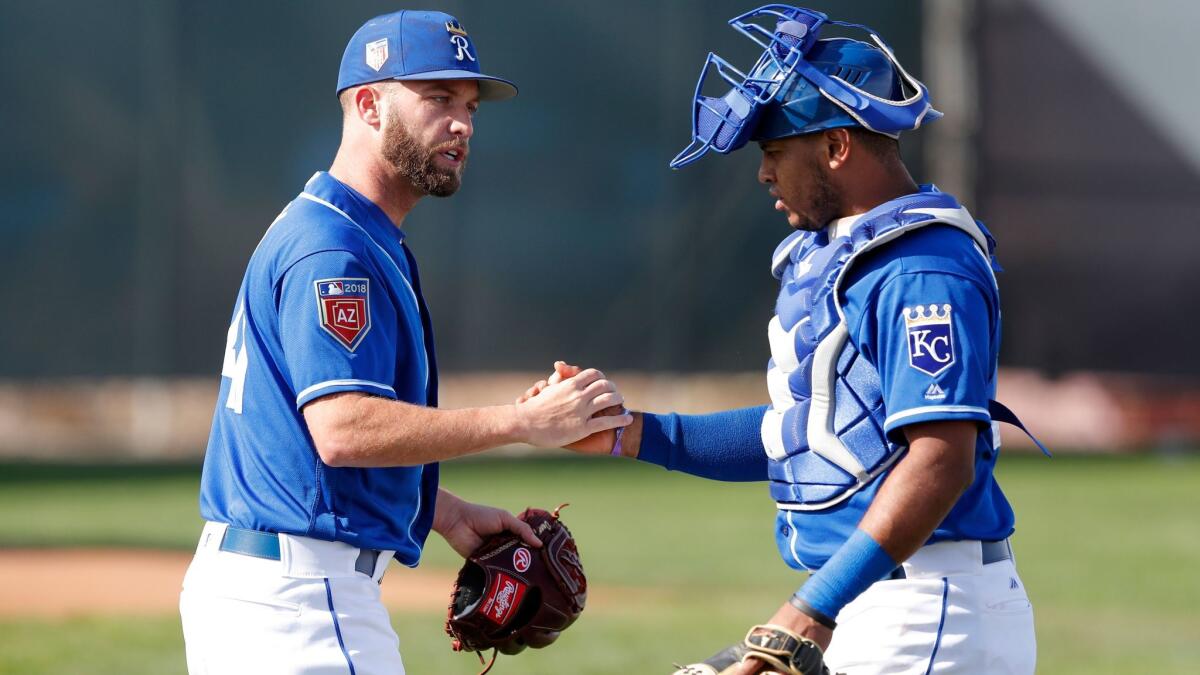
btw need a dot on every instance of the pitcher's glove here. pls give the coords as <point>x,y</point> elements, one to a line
<point>509,596</point>
<point>781,650</point>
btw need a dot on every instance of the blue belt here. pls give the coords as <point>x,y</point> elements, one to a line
<point>266,545</point>
<point>993,551</point>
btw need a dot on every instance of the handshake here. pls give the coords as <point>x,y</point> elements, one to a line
<point>573,408</point>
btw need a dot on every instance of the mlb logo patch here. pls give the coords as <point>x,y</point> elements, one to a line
<point>343,307</point>
<point>502,599</point>
<point>930,337</point>
<point>377,53</point>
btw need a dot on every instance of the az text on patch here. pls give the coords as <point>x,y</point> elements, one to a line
<point>930,337</point>
<point>343,306</point>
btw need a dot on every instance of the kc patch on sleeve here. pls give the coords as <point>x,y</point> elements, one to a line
<point>343,305</point>
<point>930,337</point>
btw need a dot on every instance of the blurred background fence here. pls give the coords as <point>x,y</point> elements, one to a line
<point>146,145</point>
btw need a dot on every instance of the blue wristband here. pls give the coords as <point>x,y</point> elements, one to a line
<point>860,562</point>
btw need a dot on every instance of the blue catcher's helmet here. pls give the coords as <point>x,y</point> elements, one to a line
<point>801,84</point>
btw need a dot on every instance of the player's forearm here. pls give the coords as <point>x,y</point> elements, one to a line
<point>446,510</point>
<point>368,431</point>
<point>916,496</point>
<point>923,486</point>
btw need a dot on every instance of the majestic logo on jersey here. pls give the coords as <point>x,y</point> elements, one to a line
<point>377,53</point>
<point>344,309</point>
<point>930,338</point>
<point>502,598</point>
<point>521,559</point>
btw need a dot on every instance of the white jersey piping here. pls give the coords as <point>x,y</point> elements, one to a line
<point>342,383</point>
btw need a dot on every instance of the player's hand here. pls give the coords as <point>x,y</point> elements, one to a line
<point>465,525</point>
<point>562,371</point>
<point>561,411</point>
<point>794,620</point>
<point>749,667</point>
<point>601,442</point>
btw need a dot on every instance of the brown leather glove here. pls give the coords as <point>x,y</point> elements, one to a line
<point>510,596</point>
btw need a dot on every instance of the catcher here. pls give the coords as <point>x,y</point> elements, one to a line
<point>881,440</point>
<point>510,596</point>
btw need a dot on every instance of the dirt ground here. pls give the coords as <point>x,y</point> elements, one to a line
<point>56,583</point>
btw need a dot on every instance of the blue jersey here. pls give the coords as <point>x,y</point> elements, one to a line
<point>331,302</point>
<point>923,311</point>
<point>883,320</point>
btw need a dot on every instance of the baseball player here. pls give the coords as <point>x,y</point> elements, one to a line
<point>322,462</point>
<point>880,440</point>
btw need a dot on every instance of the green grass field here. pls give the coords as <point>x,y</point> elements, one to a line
<point>1108,547</point>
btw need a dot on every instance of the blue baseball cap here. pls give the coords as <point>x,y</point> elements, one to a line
<point>416,45</point>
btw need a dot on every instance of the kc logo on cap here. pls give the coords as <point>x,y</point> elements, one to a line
<point>458,37</point>
<point>464,48</point>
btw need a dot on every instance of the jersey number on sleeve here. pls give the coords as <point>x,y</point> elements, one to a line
<point>236,362</point>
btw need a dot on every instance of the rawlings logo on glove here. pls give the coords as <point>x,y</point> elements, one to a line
<point>509,597</point>
<point>504,597</point>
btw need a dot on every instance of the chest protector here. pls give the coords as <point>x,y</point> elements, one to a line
<point>824,430</point>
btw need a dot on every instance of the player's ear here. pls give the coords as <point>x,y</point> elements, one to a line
<point>368,102</point>
<point>836,147</point>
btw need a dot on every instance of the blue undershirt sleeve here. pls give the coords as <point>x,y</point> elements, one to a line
<point>723,446</point>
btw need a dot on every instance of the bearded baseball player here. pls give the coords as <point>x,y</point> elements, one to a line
<point>322,463</point>
<point>881,438</point>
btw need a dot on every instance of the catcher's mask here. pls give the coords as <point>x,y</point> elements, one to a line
<point>801,84</point>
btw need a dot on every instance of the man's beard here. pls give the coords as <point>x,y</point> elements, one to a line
<point>416,162</point>
<point>824,199</point>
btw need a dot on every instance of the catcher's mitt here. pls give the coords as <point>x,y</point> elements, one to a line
<point>780,649</point>
<point>509,596</point>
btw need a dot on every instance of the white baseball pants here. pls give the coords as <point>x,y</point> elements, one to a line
<point>309,613</point>
<point>950,614</point>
